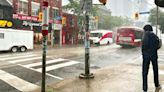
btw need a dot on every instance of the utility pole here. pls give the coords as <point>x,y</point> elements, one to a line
<point>86,5</point>
<point>157,20</point>
<point>44,43</point>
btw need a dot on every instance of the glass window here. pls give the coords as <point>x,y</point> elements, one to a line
<point>23,7</point>
<point>95,34</point>
<point>55,12</point>
<point>1,35</point>
<point>11,1</point>
<point>1,14</point>
<point>36,0</point>
<point>71,22</point>
<point>35,7</point>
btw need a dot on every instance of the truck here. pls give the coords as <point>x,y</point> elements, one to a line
<point>101,37</point>
<point>16,40</point>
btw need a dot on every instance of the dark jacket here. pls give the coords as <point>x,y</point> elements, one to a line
<point>150,44</point>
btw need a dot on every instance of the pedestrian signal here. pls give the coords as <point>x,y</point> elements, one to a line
<point>103,2</point>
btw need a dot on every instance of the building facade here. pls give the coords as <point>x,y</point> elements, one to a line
<point>27,15</point>
<point>6,11</point>
<point>70,29</point>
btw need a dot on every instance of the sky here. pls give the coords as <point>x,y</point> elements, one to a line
<point>150,3</point>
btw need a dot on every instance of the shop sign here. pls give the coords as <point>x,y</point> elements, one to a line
<point>5,23</point>
<point>57,26</point>
<point>25,17</point>
<point>26,23</point>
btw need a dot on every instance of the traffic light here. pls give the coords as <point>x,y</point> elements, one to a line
<point>40,16</point>
<point>103,1</point>
<point>159,3</point>
<point>63,20</point>
<point>136,16</point>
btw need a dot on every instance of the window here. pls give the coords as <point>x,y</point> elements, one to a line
<point>1,14</point>
<point>11,1</point>
<point>1,35</point>
<point>138,34</point>
<point>71,22</point>
<point>55,13</point>
<point>35,0</point>
<point>35,7</point>
<point>23,7</point>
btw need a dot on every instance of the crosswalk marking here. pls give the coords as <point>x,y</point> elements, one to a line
<point>58,66</point>
<point>40,63</point>
<point>16,82</point>
<point>41,72</point>
<point>161,72</point>
<point>22,60</point>
<point>16,57</point>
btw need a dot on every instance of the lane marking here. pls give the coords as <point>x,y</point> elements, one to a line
<point>161,72</point>
<point>17,82</point>
<point>49,68</point>
<point>56,77</point>
<point>17,57</point>
<point>22,60</point>
<point>40,63</point>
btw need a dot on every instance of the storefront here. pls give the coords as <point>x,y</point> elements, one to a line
<point>5,14</point>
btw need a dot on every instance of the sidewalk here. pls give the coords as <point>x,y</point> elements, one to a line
<point>118,78</point>
<point>39,46</point>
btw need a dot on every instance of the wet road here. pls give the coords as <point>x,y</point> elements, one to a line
<point>22,71</point>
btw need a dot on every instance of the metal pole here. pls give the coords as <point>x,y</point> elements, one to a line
<point>157,20</point>
<point>87,74</point>
<point>52,35</point>
<point>60,37</point>
<point>44,33</point>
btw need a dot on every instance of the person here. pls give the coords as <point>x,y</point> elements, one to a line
<point>150,44</point>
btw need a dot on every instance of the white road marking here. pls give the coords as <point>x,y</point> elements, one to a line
<point>161,72</point>
<point>22,60</point>
<point>49,68</point>
<point>40,63</point>
<point>15,54</point>
<point>16,57</point>
<point>41,72</point>
<point>17,83</point>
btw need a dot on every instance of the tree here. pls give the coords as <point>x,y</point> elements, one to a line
<point>153,18</point>
<point>106,21</point>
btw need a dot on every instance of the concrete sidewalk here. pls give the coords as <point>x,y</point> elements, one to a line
<point>118,78</point>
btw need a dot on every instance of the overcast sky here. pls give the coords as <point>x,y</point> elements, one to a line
<point>150,2</point>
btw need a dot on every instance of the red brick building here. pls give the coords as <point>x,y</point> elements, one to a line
<point>70,29</point>
<point>26,15</point>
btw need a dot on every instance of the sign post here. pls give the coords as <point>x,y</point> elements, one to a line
<point>44,43</point>
<point>87,74</point>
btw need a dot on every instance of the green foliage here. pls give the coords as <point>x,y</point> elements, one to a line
<point>153,18</point>
<point>106,21</point>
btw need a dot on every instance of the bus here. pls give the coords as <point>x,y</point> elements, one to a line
<point>129,36</point>
<point>101,37</point>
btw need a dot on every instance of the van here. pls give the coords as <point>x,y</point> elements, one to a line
<point>101,37</point>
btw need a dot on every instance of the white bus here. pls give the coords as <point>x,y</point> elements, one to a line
<point>16,40</point>
<point>100,37</point>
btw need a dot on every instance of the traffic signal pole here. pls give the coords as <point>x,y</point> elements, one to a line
<point>87,74</point>
<point>44,43</point>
